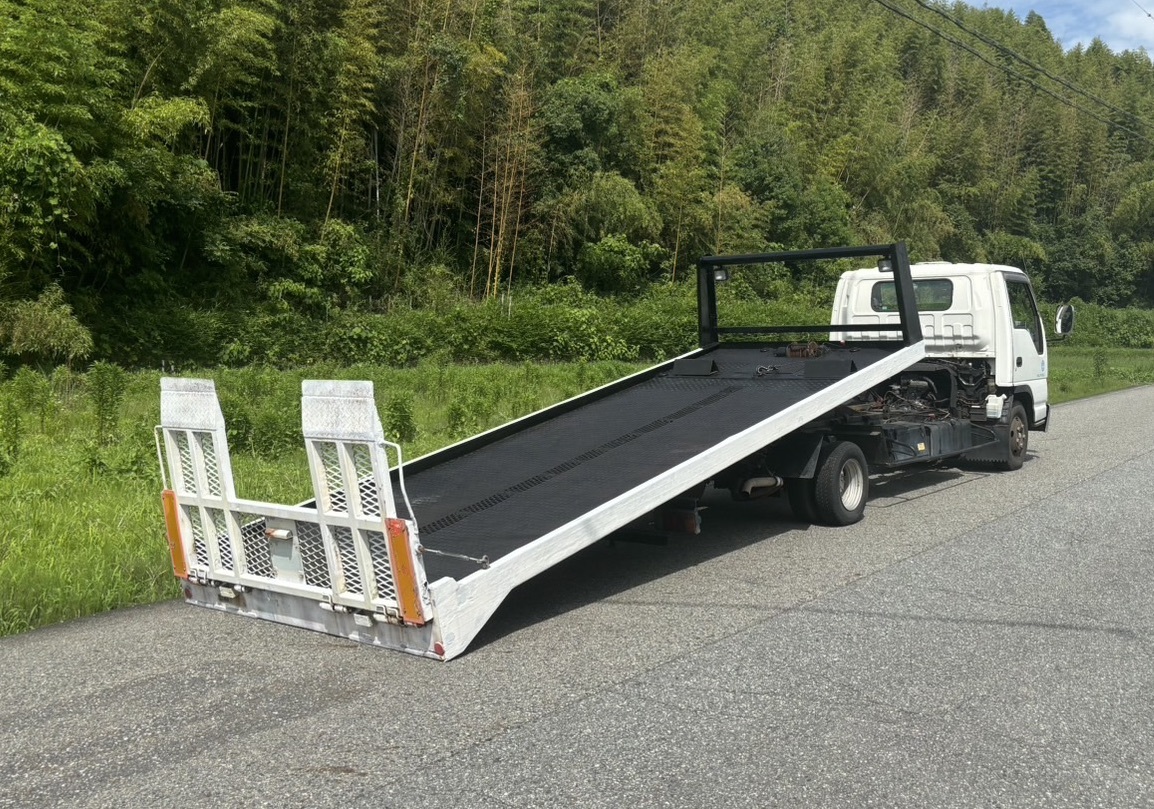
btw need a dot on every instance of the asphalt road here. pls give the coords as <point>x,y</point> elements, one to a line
<point>978,640</point>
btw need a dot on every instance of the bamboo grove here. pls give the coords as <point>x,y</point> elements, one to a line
<point>322,156</point>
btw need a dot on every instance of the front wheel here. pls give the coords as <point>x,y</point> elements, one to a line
<point>1018,438</point>
<point>841,485</point>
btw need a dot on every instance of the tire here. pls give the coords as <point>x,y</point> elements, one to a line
<point>1017,439</point>
<point>841,485</point>
<point>800,494</point>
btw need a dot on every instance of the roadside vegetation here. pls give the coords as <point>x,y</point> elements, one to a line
<point>271,182</point>
<point>1080,372</point>
<point>487,207</point>
<point>81,530</point>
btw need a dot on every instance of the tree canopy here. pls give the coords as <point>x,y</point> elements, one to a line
<point>329,155</point>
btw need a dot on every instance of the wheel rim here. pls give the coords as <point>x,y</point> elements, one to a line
<point>852,484</point>
<point>1017,438</point>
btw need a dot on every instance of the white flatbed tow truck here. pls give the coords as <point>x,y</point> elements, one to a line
<point>417,557</point>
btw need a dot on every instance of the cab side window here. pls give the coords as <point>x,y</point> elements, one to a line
<point>1024,310</point>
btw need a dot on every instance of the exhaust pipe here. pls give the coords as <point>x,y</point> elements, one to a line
<point>754,488</point>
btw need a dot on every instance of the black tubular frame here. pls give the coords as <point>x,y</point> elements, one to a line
<point>710,333</point>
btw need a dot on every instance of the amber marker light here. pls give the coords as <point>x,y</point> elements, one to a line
<point>404,572</point>
<point>175,540</point>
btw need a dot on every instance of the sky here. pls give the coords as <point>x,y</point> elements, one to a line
<point>1121,24</point>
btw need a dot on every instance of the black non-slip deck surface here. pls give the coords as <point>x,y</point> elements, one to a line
<point>509,493</point>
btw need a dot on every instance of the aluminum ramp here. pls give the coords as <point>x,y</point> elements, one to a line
<point>491,512</point>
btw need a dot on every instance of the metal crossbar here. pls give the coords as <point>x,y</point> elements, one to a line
<point>338,553</point>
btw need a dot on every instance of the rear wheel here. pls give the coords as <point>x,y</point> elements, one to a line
<point>841,485</point>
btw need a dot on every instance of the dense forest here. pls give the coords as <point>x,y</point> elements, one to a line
<point>173,171</point>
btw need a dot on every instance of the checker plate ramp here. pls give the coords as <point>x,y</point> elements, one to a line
<point>504,495</point>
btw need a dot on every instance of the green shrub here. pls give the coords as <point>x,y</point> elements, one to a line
<point>11,430</point>
<point>1111,328</point>
<point>1101,362</point>
<point>105,383</point>
<point>400,423</point>
<point>460,419</point>
<point>33,394</point>
<point>261,409</point>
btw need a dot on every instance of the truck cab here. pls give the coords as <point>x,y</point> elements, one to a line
<point>982,313</point>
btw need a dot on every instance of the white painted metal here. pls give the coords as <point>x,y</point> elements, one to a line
<point>462,607</point>
<point>200,472</point>
<point>345,443</point>
<point>968,329</point>
<point>978,325</point>
<point>1025,363</point>
<point>304,560</point>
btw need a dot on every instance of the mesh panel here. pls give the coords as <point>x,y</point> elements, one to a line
<point>187,468</point>
<point>370,502</point>
<point>382,571</point>
<point>330,459</point>
<point>347,549</point>
<point>211,468</point>
<point>199,545</point>
<point>363,462</point>
<point>257,560</point>
<point>312,549</point>
<point>223,538</point>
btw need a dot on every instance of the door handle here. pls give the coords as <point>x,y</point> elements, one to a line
<point>1019,363</point>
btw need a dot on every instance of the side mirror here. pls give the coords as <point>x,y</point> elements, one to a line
<point>1064,324</point>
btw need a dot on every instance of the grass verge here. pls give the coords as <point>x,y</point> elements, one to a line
<point>80,521</point>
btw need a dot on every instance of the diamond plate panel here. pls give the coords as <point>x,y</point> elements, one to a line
<point>189,404</point>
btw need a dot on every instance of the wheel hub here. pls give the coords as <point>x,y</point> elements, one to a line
<point>852,484</point>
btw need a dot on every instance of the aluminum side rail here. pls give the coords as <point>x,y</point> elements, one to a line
<point>462,607</point>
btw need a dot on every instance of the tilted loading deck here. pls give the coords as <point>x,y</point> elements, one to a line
<point>419,557</point>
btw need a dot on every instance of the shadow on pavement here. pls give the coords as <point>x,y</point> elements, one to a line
<point>611,566</point>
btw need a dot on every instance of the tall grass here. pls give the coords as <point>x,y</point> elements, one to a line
<point>78,518</point>
<point>81,529</point>
<point>1077,372</point>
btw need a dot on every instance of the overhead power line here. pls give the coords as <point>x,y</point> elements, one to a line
<point>1144,11</point>
<point>1018,57</point>
<point>1010,71</point>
